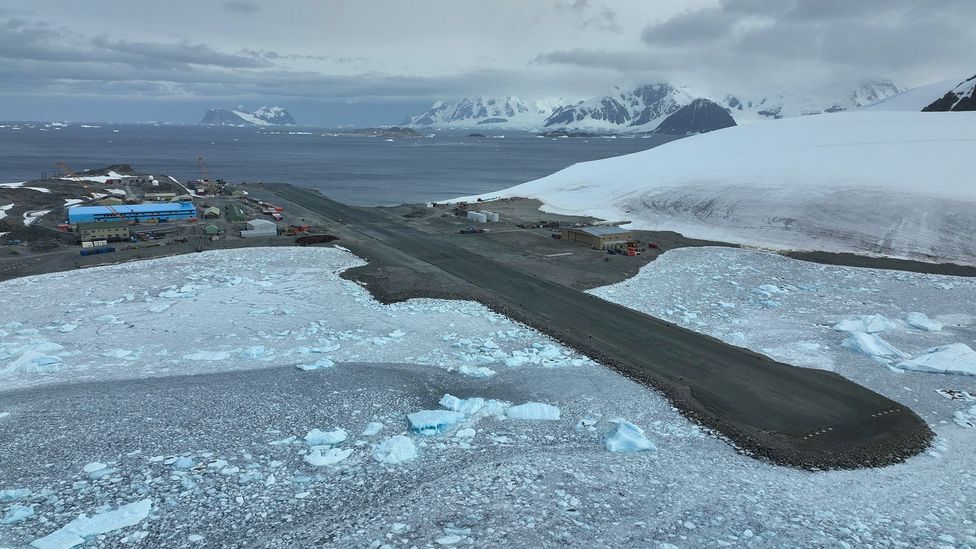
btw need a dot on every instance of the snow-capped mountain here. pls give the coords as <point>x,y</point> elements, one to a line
<point>868,182</point>
<point>960,98</point>
<point>501,111</point>
<point>639,109</point>
<point>265,116</point>
<point>644,108</point>
<point>842,96</point>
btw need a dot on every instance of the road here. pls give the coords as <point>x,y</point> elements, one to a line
<point>792,416</point>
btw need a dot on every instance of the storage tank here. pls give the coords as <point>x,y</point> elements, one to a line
<point>492,216</point>
<point>479,217</point>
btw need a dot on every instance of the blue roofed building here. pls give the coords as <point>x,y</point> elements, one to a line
<point>159,211</point>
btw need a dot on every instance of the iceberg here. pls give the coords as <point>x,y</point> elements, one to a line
<point>628,438</point>
<point>431,422</point>
<point>466,406</point>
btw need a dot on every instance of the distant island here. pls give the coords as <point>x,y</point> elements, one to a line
<point>394,131</point>
<point>265,116</point>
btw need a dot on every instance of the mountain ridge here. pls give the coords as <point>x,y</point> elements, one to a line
<point>645,107</point>
<point>265,116</point>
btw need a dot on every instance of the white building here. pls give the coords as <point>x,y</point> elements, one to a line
<point>259,227</point>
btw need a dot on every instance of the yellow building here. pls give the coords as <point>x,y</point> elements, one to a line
<point>598,238</point>
<point>104,230</point>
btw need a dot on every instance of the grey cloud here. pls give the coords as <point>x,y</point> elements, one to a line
<point>690,27</point>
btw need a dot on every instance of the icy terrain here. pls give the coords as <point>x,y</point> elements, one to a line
<point>362,455</point>
<point>890,183</point>
<point>242,309</point>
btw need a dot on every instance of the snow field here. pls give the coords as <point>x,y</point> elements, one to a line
<point>843,182</point>
<point>244,309</point>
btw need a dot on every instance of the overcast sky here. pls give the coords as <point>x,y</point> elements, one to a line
<point>373,61</point>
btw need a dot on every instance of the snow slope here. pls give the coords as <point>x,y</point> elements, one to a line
<point>914,99</point>
<point>891,183</point>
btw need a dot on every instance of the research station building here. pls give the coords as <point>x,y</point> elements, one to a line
<point>106,230</point>
<point>598,238</point>
<point>162,212</point>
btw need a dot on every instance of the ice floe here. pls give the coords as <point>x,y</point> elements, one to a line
<point>395,450</point>
<point>533,410</point>
<point>315,437</point>
<point>75,532</point>
<point>955,358</point>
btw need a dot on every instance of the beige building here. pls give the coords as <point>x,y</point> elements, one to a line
<point>104,230</point>
<point>598,238</point>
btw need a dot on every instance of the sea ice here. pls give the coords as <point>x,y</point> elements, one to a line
<point>75,532</point>
<point>431,422</point>
<point>466,406</point>
<point>316,437</point>
<point>922,322</point>
<point>395,450</point>
<point>965,418</point>
<point>628,438</point>
<point>331,456</point>
<point>533,410</point>
<point>955,358</point>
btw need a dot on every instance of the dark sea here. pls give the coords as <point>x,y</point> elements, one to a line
<point>356,170</point>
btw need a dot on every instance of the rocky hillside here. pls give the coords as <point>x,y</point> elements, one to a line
<point>699,116</point>
<point>960,98</point>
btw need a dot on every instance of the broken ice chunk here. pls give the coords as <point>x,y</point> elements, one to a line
<point>533,410</point>
<point>316,437</point>
<point>332,456</point>
<point>431,422</point>
<point>75,532</point>
<point>466,406</point>
<point>628,438</point>
<point>395,450</point>
<point>372,428</point>
<point>317,365</point>
<point>922,322</point>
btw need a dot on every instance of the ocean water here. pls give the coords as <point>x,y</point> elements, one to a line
<point>355,170</point>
